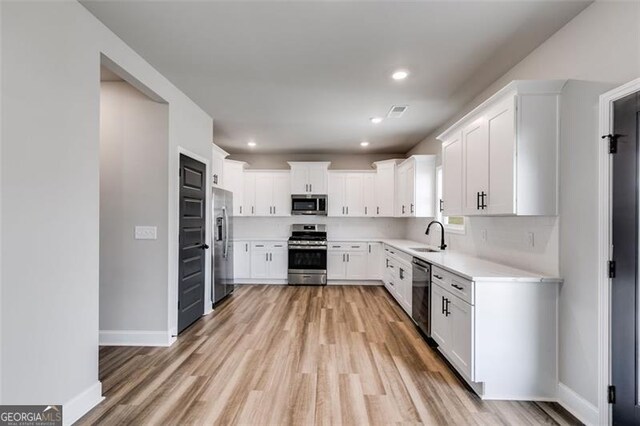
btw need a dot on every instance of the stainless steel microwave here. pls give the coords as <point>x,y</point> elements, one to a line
<point>309,204</point>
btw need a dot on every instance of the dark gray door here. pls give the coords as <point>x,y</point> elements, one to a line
<point>192,241</point>
<point>624,291</point>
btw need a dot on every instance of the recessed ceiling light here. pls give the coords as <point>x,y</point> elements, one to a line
<point>376,120</point>
<point>364,143</point>
<point>400,75</point>
<point>251,144</point>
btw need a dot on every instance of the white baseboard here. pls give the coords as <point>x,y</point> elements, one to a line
<point>80,404</point>
<point>358,282</point>
<point>252,281</point>
<point>582,409</point>
<point>135,338</point>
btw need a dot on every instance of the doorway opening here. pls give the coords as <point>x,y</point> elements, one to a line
<point>134,216</point>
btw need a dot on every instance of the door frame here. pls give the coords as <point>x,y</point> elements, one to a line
<point>174,249</point>
<point>604,246</point>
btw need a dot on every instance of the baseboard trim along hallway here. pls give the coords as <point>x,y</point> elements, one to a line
<point>136,338</point>
<point>582,409</point>
<point>80,404</point>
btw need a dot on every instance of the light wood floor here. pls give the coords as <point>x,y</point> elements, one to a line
<point>298,355</point>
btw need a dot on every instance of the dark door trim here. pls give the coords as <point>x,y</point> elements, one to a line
<point>605,247</point>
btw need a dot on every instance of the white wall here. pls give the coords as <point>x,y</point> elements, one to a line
<point>506,242</point>
<point>338,161</point>
<point>50,196</point>
<point>337,227</point>
<point>601,44</point>
<point>134,147</point>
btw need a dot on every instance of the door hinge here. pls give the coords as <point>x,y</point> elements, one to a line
<point>612,269</point>
<point>613,142</point>
<point>611,392</point>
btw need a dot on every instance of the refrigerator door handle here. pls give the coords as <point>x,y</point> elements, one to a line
<point>226,233</point>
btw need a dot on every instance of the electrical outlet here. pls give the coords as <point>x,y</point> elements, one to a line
<point>483,235</point>
<point>146,233</point>
<point>530,239</point>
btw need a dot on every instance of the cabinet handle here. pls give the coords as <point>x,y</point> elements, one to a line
<point>270,257</point>
<point>387,265</point>
<point>411,207</point>
<point>477,201</point>
<point>347,209</point>
<point>403,209</point>
<point>401,274</point>
<point>342,209</point>
<point>365,210</point>
<point>441,205</point>
<point>274,209</point>
<point>369,248</point>
<point>457,287</point>
<point>483,204</point>
<point>252,210</point>
<point>266,257</point>
<point>448,312</point>
<point>306,187</point>
<point>240,209</point>
<point>378,210</point>
<point>437,276</point>
<point>442,305</point>
<point>246,247</point>
<point>343,257</point>
<point>348,257</point>
<point>310,187</point>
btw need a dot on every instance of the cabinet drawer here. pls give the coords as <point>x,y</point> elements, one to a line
<point>398,254</point>
<point>453,283</point>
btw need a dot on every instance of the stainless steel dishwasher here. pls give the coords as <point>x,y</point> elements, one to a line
<point>421,296</point>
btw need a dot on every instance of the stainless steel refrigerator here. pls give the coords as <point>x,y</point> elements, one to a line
<point>222,280</point>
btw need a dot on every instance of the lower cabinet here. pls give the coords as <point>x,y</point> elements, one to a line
<point>397,277</point>
<point>452,328</point>
<point>241,259</point>
<point>347,261</point>
<point>374,261</point>
<point>268,260</point>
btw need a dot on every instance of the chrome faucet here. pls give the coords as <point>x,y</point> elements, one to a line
<point>442,244</point>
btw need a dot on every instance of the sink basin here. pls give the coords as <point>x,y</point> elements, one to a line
<point>424,250</point>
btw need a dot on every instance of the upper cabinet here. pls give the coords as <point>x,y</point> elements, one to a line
<point>309,177</point>
<point>346,194</point>
<point>415,186</point>
<point>501,158</point>
<point>233,172</point>
<point>217,166</point>
<point>266,193</point>
<point>385,187</point>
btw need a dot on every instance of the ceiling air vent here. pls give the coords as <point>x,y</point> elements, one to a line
<point>396,111</point>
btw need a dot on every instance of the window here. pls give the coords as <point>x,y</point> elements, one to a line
<point>453,224</point>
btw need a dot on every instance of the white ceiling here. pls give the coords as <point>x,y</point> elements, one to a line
<point>306,76</point>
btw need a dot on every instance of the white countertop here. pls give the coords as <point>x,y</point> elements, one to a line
<point>469,267</point>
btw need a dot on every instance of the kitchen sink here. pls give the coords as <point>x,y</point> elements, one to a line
<point>424,249</point>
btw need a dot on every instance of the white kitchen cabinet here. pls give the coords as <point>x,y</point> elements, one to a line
<point>461,318</point>
<point>241,259</point>
<point>347,261</point>
<point>217,166</point>
<point>440,324</point>
<point>509,153</point>
<point>268,260</point>
<point>266,193</point>
<point>385,187</point>
<point>369,194</point>
<point>309,177</point>
<point>346,194</point>
<point>375,261</point>
<point>452,175</point>
<point>234,182</point>
<point>397,277</point>
<point>416,186</point>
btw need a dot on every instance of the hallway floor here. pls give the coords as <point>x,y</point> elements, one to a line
<point>301,356</point>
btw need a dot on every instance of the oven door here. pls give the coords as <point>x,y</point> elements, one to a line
<point>307,259</point>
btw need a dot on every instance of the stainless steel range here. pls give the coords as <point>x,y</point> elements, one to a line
<point>308,255</point>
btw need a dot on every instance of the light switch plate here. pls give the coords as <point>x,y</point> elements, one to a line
<point>146,233</point>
